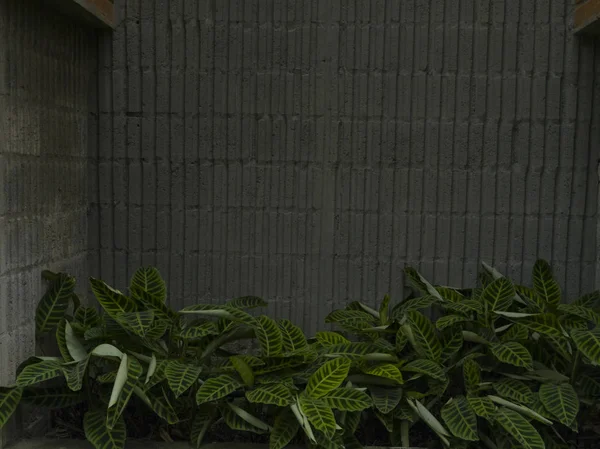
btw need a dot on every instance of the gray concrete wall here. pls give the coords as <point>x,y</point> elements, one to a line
<point>46,63</point>
<point>306,150</point>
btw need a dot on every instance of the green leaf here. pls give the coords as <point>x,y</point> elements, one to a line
<point>465,306</point>
<point>274,394</point>
<point>426,367</point>
<point>483,407</point>
<point>87,317</point>
<point>349,350</point>
<point>9,400</point>
<point>205,416</point>
<point>243,369</point>
<point>226,312</point>
<point>514,389</point>
<point>39,372</point>
<point>199,331</point>
<point>426,341</point>
<point>450,320</point>
<point>136,322</point>
<point>284,430</point>
<point>430,420</point>
<point>269,336</point>
<point>499,294</point>
<point>74,346</point>
<point>217,388</point>
<point>107,378</point>
<point>420,303</point>
<point>145,301</point>
<point>531,297</point>
<point>561,401</point>
<point>385,370</point>
<point>460,418</point>
<point>238,419</point>
<point>148,279</point>
<point>127,377</point>
<point>514,333</point>
<point>384,310</point>
<point>181,376</point>
<point>523,410</point>
<point>293,337</point>
<point>385,399</point>
<point>61,341</point>
<point>112,301</point>
<point>100,435</point>
<point>328,377</point>
<point>52,397</point>
<point>420,283</point>
<point>519,428</point>
<point>351,317</point>
<point>162,407</point>
<point>452,342</point>
<point>319,414</point>
<point>544,323</point>
<point>544,283</point>
<point>589,300</point>
<point>512,353</point>
<point>472,375</point>
<point>75,372</point>
<point>348,399</point>
<point>246,302</point>
<point>331,338</point>
<point>588,343</point>
<point>386,420</point>
<point>53,305</point>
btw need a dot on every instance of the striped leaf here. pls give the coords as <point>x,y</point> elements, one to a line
<point>420,283</point>
<point>384,310</point>
<point>156,330</point>
<point>519,428</point>
<point>349,350</point>
<point>385,399</point>
<point>53,305</point>
<point>148,279</point>
<point>460,418</point>
<point>162,407</point>
<point>75,348</point>
<point>269,336</point>
<point>200,331</point>
<point>450,320</point>
<point>347,399</point>
<point>243,369</point>
<point>543,323</point>
<point>589,300</point>
<point>284,430</point>
<point>39,372</point>
<point>274,394</point>
<point>328,377</point>
<point>423,302</point>
<point>107,378</point>
<point>112,301</point>
<point>386,420</point>
<point>472,375</point>
<point>523,410</point>
<point>512,353</point>
<point>87,317</point>
<point>205,416</point>
<point>74,372</point>
<point>561,401</point>
<point>99,435</point>
<point>426,367</point>
<point>401,340</point>
<point>247,302</point>
<point>499,294</point>
<point>351,318</point>
<point>514,389</point>
<point>9,400</point>
<point>452,342</point>
<point>425,339</point>
<point>385,370</point>
<point>52,397</point>
<point>482,406</point>
<point>514,333</point>
<point>238,419</point>
<point>145,301</point>
<point>331,338</point>
<point>531,297</point>
<point>430,420</point>
<point>217,388</point>
<point>224,312</point>
<point>544,283</point>
<point>61,341</point>
<point>136,322</point>
<point>127,377</point>
<point>181,376</point>
<point>588,343</point>
<point>293,337</point>
<point>319,414</point>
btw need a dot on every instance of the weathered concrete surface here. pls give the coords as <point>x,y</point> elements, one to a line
<point>76,444</point>
<point>306,150</point>
<point>46,63</point>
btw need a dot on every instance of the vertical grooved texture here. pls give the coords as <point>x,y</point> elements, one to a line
<point>306,150</point>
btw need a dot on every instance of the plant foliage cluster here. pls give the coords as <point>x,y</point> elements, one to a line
<point>502,365</point>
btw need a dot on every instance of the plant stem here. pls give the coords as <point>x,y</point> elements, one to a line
<point>404,433</point>
<point>575,367</point>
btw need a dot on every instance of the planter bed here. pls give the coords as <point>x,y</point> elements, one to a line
<point>79,444</point>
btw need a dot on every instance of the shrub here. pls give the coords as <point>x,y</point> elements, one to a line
<point>501,365</point>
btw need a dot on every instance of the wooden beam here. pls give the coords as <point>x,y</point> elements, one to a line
<point>587,17</point>
<point>96,13</point>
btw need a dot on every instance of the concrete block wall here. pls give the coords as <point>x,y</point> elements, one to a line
<point>307,150</point>
<point>46,65</point>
